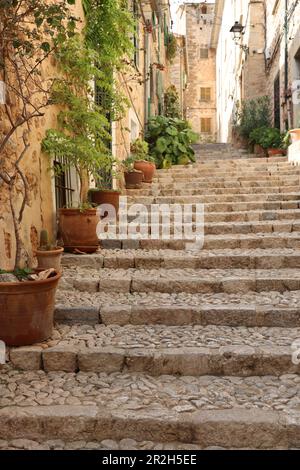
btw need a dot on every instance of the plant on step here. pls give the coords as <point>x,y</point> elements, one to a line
<point>31,33</point>
<point>170,141</point>
<point>45,244</point>
<point>139,149</point>
<point>251,115</point>
<point>171,103</point>
<point>270,138</point>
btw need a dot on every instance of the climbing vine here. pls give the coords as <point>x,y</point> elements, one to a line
<point>89,62</point>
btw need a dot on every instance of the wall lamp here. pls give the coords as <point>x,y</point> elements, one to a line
<point>238,31</point>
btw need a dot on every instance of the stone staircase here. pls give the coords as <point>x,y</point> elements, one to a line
<point>158,347</point>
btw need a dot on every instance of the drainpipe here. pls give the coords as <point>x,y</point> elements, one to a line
<point>147,78</point>
<point>286,56</point>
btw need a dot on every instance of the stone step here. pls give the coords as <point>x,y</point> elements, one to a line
<point>275,171</point>
<point>177,315</point>
<point>205,259</point>
<point>227,178</point>
<point>228,412</point>
<point>223,228</point>
<point>249,309</point>
<point>228,166</point>
<point>163,350</point>
<point>213,199</point>
<point>223,207</point>
<point>212,242</point>
<point>182,190</point>
<point>230,183</point>
<point>105,444</point>
<point>255,215</point>
<point>180,280</point>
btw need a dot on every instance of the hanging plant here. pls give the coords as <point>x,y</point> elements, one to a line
<point>171,47</point>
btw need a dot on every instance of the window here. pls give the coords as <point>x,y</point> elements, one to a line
<point>206,125</point>
<point>63,184</point>
<point>204,9</point>
<point>204,53</point>
<point>205,94</point>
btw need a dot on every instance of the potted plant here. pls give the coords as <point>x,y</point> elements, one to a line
<point>272,141</point>
<point>104,193</point>
<point>48,254</point>
<point>143,161</point>
<point>28,40</point>
<point>255,140</point>
<point>133,178</point>
<point>170,141</point>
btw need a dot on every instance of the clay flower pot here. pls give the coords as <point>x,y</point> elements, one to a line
<point>147,168</point>
<point>79,229</point>
<point>100,196</point>
<point>273,152</point>
<point>133,179</point>
<point>49,259</point>
<point>295,135</point>
<point>26,311</point>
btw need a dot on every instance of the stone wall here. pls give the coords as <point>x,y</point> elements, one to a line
<point>202,69</point>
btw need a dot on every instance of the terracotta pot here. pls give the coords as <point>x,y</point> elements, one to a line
<point>147,168</point>
<point>273,152</point>
<point>26,311</point>
<point>79,229</point>
<point>295,135</point>
<point>49,259</point>
<point>133,179</point>
<point>105,197</point>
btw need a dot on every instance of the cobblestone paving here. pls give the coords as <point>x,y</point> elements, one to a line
<point>74,298</point>
<point>138,392</point>
<point>158,337</point>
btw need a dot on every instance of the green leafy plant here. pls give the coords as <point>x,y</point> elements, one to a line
<point>271,138</point>
<point>257,134</point>
<point>21,273</point>
<point>171,103</point>
<point>96,57</point>
<point>171,47</point>
<point>170,141</point>
<point>140,149</point>
<point>251,115</point>
<point>127,165</point>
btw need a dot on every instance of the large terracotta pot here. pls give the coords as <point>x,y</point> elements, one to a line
<point>147,168</point>
<point>105,197</point>
<point>79,229</point>
<point>26,311</point>
<point>133,179</point>
<point>49,259</point>
<point>273,152</point>
<point>295,135</point>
